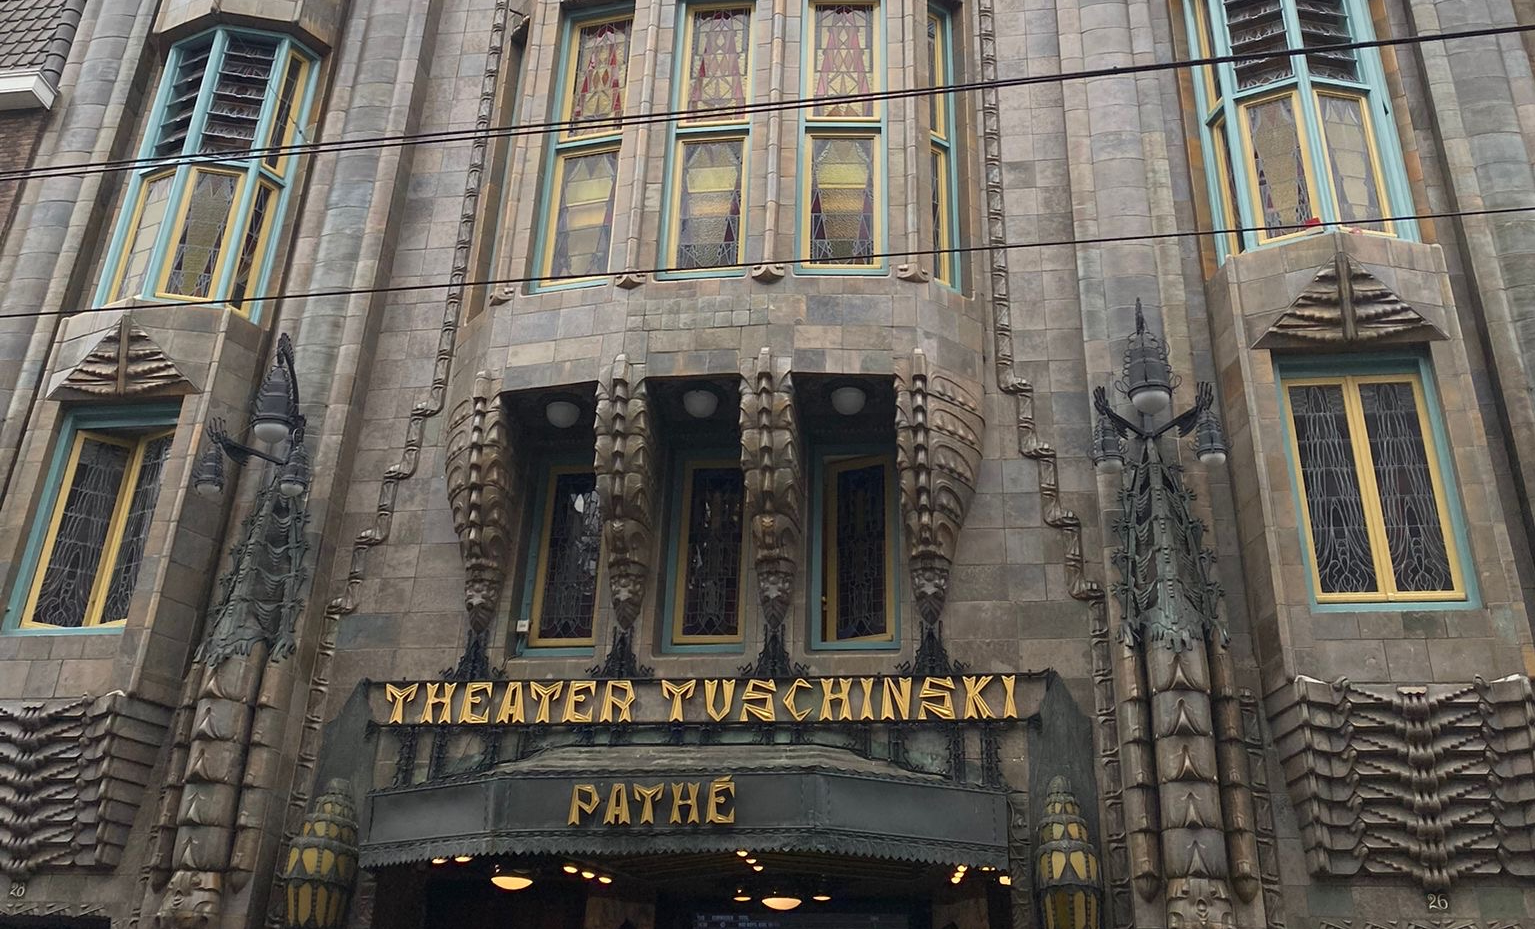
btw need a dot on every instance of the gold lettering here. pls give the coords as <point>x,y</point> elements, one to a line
<point>613,708</point>
<point>897,696</point>
<point>757,700</point>
<point>575,695</point>
<point>836,693</point>
<point>722,792</point>
<point>677,693</point>
<point>511,704</point>
<point>473,694</point>
<point>727,688</point>
<point>1009,708</point>
<point>583,799</point>
<point>618,807</point>
<point>788,699</point>
<point>690,800</point>
<point>439,695</point>
<point>398,697</point>
<point>545,694</point>
<point>976,706</point>
<point>866,708</point>
<point>936,697</point>
<point>648,797</point>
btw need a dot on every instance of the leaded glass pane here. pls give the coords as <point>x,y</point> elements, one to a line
<point>250,245</point>
<point>1339,533</point>
<point>64,596</point>
<point>1420,558</point>
<point>861,508</point>
<point>570,560</point>
<point>1283,193</point>
<point>1325,22</point>
<point>597,80</point>
<point>842,200</point>
<point>717,60</point>
<point>151,217</point>
<point>1354,179</point>
<point>584,218</point>
<point>709,224</point>
<point>943,231</point>
<point>936,120</point>
<point>711,561</point>
<point>130,551</point>
<point>200,244</point>
<point>1256,26</point>
<point>843,60</point>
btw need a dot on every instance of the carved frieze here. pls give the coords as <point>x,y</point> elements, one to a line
<point>125,363</point>
<point>626,488</point>
<point>771,461</point>
<point>938,453</point>
<point>1346,304</point>
<point>1435,782</point>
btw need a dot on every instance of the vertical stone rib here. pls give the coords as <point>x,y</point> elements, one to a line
<point>1235,776</point>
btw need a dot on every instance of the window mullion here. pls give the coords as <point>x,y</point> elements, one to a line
<point>1364,464</point>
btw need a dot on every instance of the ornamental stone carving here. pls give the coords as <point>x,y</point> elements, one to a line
<point>938,452</point>
<point>770,458</point>
<point>1435,782</point>
<point>626,489</point>
<point>1346,304</point>
<point>125,363</point>
<point>481,470</point>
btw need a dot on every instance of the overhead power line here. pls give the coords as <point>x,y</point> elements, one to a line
<point>85,169</point>
<point>742,265</point>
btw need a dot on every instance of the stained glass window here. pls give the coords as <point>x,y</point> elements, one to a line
<point>718,60</point>
<point>707,597</point>
<point>565,596</point>
<point>941,131</point>
<point>584,214</point>
<point>856,542</point>
<point>709,206</point>
<point>843,59</point>
<point>91,557</point>
<point>1354,179</point>
<point>841,201</point>
<point>598,71</point>
<point>1279,164</point>
<point>1375,510</point>
<point>227,96</point>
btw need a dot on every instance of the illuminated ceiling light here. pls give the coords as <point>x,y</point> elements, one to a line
<point>741,896</point>
<point>820,896</point>
<point>961,868</point>
<point>1006,880</point>
<point>510,880</point>
<point>588,874</point>
<point>570,869</point>
<point>848,400</point>
<point>742,853</point>
<point>463,859</point>
<point>562,414</point>
<point>955,879</point>
<point>700,402</point>
<point>782,902</point>
<point>751,861</point>
<point>439,861</point>
<point>604,879</point>
<point>756,867</point>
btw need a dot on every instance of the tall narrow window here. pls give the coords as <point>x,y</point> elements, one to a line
<point>842,177</point>
<point>85,559</point>
<point>1309,135</point>
<point>941,137</point>
<point>1376,514</point>
<point>565,560</point>
<point>705,600</point>
<point>576,240</point>
<point>709,144</point>
<point>857,568</point>
<point>202,232</point>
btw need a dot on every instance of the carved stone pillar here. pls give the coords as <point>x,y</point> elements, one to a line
<point>626,489</point>
<point>938,451</point>
<point>771,460</point>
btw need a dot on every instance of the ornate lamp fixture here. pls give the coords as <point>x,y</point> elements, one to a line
<point>275,419</point>
<point>1070,889</point>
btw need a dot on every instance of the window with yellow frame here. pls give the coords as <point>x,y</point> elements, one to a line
<point>93,544</point>
<point>708,555</point>
<point>1375,513</point>
<point>565,563</point>
<point>857,548</point>
<point>575,241</point>
<point>941,141</point>
<point>203,232</point>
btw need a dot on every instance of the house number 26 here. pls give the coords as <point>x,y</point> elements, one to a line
<point>1438,901</point>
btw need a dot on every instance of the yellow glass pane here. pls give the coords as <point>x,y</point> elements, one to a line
<point>142,243</point>
<point>843,59</point>
<point>841,202</point>
<point>1278,165</point>
<point>200,241</point>
<point>596,90</point>
<point>583,214</point>
<point>1354,179</point>
<point>717,60</point>
<point>709,204</point>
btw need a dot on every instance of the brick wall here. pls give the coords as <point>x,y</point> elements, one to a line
<point>19,133</point>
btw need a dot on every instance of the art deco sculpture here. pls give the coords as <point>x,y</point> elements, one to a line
<point>626,489</point>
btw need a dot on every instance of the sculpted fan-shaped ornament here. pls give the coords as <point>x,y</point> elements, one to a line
<point>322,862</point>
<point>1067,873</point>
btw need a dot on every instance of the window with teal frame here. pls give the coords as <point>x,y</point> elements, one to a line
<point>561,596</point>
<point>1380,520</point>
<point>706,176</point>
<point>942,136</point>
<point>842,151</point>
<point>702,605</point>
<point>87,543</point>
<point>204,232</point>
<point>854,539</point>
<point>1295,144</point>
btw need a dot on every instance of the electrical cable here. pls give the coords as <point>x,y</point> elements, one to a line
<point>743,265</point>
<point>87,169</point>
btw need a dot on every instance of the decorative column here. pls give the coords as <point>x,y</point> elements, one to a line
<point>626,490</point>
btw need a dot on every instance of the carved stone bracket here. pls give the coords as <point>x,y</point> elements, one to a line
<point>626,489</point>
<point>938,453</point>
<point>1434,782</point>
<point>481,473</point>
<point>1345,305</point>
<point>127,362</point>
<point>771,460</point>
<point>770,273</point>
